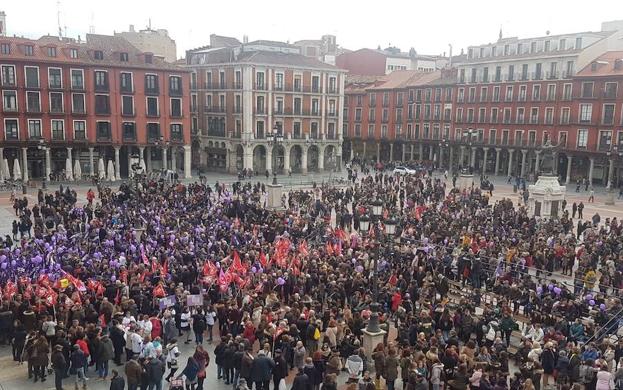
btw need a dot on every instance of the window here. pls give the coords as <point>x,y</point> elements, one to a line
<point>296,130</point>
<point>73,53</point>
<point>8,76</point>
<point>522,93</point>
<point>297,83</point>
<point>127,105</point>
<point>176,132</point>
<point>371,115</point>
<point>483,94</point>
<point>58,130</point>
<point>524,72</point>
<point>9,100</point>
<point>298,106</point>
<point>125,82</point>
<point>259,105</point>
<point>32,76</point>
<point>176,107</point>
<point>610,90</point>
<point>332,85</point>
<point>103,131</point>
<point>586,112</point>
<point>34,128</point>
<point>536,92</point>
<point>582,138</point>
<point>80,130</point>
<point>494,115</point>
<point>509,94</point>
<point>238,79</point>
<point>123,57</point>
<point>98,55</point>
<point>29,50</point>
<point>175,86</point>
<point>315,107</point>
<point>520,115</point>
<point>77,79</point>
<point>472,95</point>
<point>384,131</point>
<point>101,81</point>
<point>279,81</point>
<point>313,131</point>
<point>11,129</point>
<point>507,115</point>
<point>551,92</point>
<point>534,115</point>
<point>55,79</point>
<point>152,106</point>
<point>587,89</point>
<point>151,84</point>
<point>33,101</point>
<point>549,116</point>
<point>371,131</point>
<point>129,131</point>
<point>153,132</point>
<point>149,58</point>
<point>566,92</point>
<point>578,43</point>
<point>56,102</point>
<point>315,84</point>
<point>102,106</point>
<point>565,114</point>
<point>51,52</point>
<point>608,114</point>
<point>259,81</point>
<point>77,103</point>
<point>5,48</point>
<point>605,139</point>
<point>496,94</point>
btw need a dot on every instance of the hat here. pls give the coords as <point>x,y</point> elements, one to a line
<point>58,347</point>
<point>277,350</point>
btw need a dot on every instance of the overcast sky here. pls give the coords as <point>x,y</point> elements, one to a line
<point>428,26</point>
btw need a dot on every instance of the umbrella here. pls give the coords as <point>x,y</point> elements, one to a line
<point>5,169</point>
<point>111,171</point>
<point>77,170</point>
<point>17,171</point>
<point>101,171</point>
<point>68,171</point>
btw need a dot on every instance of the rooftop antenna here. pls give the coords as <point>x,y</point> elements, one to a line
<point>500,36</point>
<point>92,24</point>
<point>58,18</point>
<point>149,26</point>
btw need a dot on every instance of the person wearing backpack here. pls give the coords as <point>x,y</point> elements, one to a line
<point>199,326</point>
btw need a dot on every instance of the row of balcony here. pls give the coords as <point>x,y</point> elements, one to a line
<point>408,119</point>
<point>260,135</point>
<point>520,76</point>
<point>264,87</point>
<point>80,136</point>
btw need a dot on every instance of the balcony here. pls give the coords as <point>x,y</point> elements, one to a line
<point>610,94</point>
<point>238,85</point>
<point>604,147</point>
<point>315,89</point>
<point>331,113</point>
<point>260,86</point>
<point>104,137</point>
<point>537,76</point>
<point>523,77</point>
<point>552,75</point>
<point>56,110</point>
<point>129,137</point>
<point>385,119</point>
<point>79,135</point>
<point>372,103</point>
<point>278,87</point>
<point>216,132</point>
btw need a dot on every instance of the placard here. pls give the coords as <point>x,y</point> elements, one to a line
<point>194,300</point>
<point>167,302</point>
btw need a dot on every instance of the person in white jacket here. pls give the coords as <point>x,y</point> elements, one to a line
<point>354,366</point>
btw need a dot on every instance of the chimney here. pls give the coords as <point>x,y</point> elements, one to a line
<point>450,56</point>
<point>245,39</point>
<point>2,24</point>
<point>131,28</point>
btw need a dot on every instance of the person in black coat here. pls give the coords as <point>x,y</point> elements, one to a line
<point>59,364</point>
<point>117,382</point>
<point>301,381</point>
<point>281,368</point>
<point>261,370</point>
<point>228,363</point>
<point>155,371</point>
<point>315,376</point>
<point>118,342</point>
<point>548,361</point>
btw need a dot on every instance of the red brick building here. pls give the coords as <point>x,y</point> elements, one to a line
<point>79,105</point>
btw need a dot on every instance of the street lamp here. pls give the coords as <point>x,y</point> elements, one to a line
<point>443,144</point>
<point>41,146</point>
<point>274,139</point>
<point>364,223</point>
<point>377,208</point>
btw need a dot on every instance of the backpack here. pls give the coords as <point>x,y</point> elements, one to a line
<point>317,334</point>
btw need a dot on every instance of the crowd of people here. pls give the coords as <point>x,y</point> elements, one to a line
<point>472,293</point>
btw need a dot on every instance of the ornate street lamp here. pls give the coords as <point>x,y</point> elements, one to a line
<point>274,139</point>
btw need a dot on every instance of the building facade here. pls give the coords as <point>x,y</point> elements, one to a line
<point>90,106</point>
<point>496,109</point>
<point>155,41</point>
<point>369,62</point>
<point>241,95</point>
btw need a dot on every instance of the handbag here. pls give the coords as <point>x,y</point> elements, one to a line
<point>282,384</point>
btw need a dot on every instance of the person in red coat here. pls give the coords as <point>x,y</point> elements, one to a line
<point>396,300</point>
<point>156,327</point>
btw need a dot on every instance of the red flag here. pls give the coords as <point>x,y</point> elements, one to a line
<point>92,284</point>
<point>259,287</point>
<point>100,290</point>
<point>118,297</point>
<point>303,248</point>
<point>393,280</point>
<point>209,269</point>
<point>145,259</point>
<point>240,281</point>
<point>51,298</point>
<point>236,265</point>
<point>44,280</point>
<point>263,260</point>
<point>154,267</point>
<point>159,292</point>
<point>223,281</point>
<point>329,249</point>
<point>165,267</point>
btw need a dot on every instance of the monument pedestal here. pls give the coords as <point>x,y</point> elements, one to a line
<point>466,180</point>
<point>546,196</point>
<point>609,197</point>
<point>371,340</point>
<point>274,196</point>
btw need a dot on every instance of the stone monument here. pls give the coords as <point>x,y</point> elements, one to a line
<point>466,179</point>
<point>546,195</point>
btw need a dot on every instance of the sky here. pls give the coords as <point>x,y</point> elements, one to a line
<point>427,26</point>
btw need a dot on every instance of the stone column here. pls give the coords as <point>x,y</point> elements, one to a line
<point>610,174</point>
<point>484,161</point>
<point>570,162</point>
<point>321,158</point>
<point>269,159</point>
<point>148,159</point>
<point>286,160</point>
<point>364,150</point>
<point>118,163</point>
<point>70,172</point>
<point>431,152</point>
<point>141,154</point>
<point>412,151</point>
<point>421,152</point>
<point>450,162</point>
<point>91,162</point>
<point>48,163</point>
<point>524,154</point>
<point>462,156</point>
<point>25,165</point>
<point>187,161</point>
<point>510,161</point>
<point>391,152</point>
<point>404,152</point>
<point>352,151</point>
<point>472,160</point>
<point>590,170</point>
<point>174,159</point>
<point>537,161</point>
<point>165,164</point>
<point>498,151</point>
<point>2,164</point>
<point>378,152</point>
<point>440,157</point>
<point>304,161</point>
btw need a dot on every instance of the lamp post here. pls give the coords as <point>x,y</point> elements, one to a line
<point>41,146</point>
<point>274,139</point>
<point>613,156</point>
<point>444,143</point>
